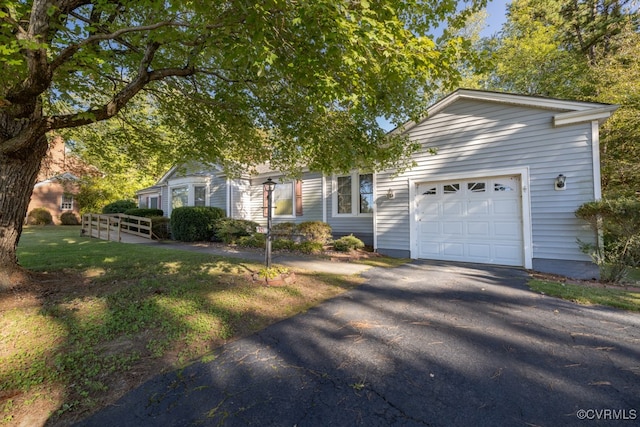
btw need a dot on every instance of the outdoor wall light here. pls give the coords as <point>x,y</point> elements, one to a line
<point>390,194</point>
<point>560,183</point>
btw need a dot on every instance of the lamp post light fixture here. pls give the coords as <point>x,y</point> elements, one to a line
<point>268,186</point>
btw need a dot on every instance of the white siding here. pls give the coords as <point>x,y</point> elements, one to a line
<point>470,136</point>
<point>311,200</point>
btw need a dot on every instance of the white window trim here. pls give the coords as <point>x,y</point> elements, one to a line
<point>293,202</point>
<point>62,203</point>
<point>190,183</point>
<point>355,195</point>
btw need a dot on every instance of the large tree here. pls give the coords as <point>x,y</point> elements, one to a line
<point>577,49</point>
<point>290,81</point>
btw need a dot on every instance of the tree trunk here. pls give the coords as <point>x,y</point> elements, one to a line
<point>18,173</point>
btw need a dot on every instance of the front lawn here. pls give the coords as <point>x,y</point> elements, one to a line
<point>102,317</point>
<point>589,294</point>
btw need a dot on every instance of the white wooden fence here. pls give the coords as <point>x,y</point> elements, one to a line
<point>112,226</point>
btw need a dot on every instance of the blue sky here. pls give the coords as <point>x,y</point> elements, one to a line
<point>496,10</point>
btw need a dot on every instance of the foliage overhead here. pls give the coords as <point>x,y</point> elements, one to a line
<point>236,82</point>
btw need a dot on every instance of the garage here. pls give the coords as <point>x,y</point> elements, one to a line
<point>471,220</point>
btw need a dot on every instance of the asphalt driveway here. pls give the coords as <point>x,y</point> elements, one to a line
<point>427,343</point>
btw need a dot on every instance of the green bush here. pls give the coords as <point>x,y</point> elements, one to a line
<point>119,206</point>
<point>256,240</point>
<point>69,218</point>
<point>619,221</point>
<point>284,230</point>
<point>194,223</point>
<point>310,247</point>
<point>228,230</point>
<point>315,231</point>
<point>39,216</point>
<point>283,244</point>
<point>160,227</point>
<point>144,212</point>
<point>348,243</point>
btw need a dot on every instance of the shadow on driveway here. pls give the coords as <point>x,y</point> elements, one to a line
<point>422,344</point>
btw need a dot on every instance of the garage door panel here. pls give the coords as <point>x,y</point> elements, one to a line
<point>428,250</point>
<point>452,208</point>
<point>478,207</point>
<point>479,250</point>
<point>508,230</point>
<point>478,229</point>
<point>453,249</point>
<point>507,254</point>
<point>453,229</point>
<point>430,228</point>
<point>506,207</point>
<point>475,220</point>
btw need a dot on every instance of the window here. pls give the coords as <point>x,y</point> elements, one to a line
<point>283,199</point>
<point>451,188</point>
<point>431,191</point>
<point>153,202</point>
<point>200,195</point>
<point>366,193</point>
<point>353,194</point>
<point>66,202</point>
<point>179,197</point>
<point>476,187</point>
<point>344,195</point>
<point>501,187</point>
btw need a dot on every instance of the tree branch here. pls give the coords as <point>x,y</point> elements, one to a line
<point>69,51</point>
<point>121,98</point>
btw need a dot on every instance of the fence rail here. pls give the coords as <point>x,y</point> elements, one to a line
<point>111,227</point>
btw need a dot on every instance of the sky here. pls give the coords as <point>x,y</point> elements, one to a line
<point>496,10</point>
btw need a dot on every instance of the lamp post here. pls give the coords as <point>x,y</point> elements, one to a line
<point>268,186</point>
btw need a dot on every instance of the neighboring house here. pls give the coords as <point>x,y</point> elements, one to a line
<point>57,182</point>
<point>509,173</point>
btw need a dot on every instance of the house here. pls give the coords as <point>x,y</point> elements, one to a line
<point>509,173</point>
<point>57,182</point>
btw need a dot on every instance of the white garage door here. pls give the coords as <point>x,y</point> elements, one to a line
<point>474,220</point>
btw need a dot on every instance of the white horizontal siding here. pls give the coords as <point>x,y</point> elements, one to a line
<point>477,136</point>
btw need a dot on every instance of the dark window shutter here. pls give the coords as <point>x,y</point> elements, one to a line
<point>298,198</point>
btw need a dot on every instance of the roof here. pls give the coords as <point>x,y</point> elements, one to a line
<point>569,111</point>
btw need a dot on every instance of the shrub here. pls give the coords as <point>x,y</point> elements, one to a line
<point>119,206</point>
<point>144,212</point>
<point>160,227</point>
<point>39,216</point>
<point>194,223</point>
<point>310,247</point>
<point>348,243</point>
<point>283,244</point>
<point>315,231</point>
<point>228,230</point>
<point>256,240</point>
<point>619,220</point>
<point>69,218</point>
<point>283,230</point>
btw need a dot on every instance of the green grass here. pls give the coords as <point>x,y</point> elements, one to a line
<point>103,309</point>
<point>587,295</point>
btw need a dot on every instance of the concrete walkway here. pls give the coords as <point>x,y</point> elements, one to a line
<point>301,262</point>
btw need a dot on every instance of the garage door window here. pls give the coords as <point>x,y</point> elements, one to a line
<point>498,186</point>
<point>451,188</point>
<point>477,187</point>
